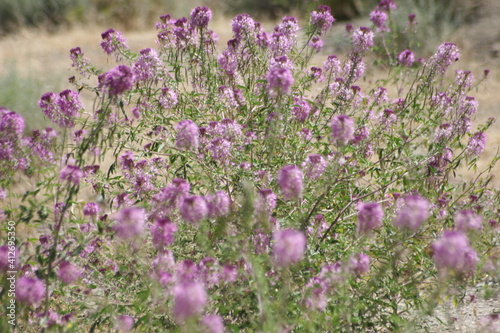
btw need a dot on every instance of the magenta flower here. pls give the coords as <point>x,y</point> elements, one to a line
<point>406,58</point>
<point>30,291</point>
<point>243,26</point>
<point>71,173</point>
<point>370,215</point>
<point>147,65</point>
<point>130,222</point>
<point>359,264</point>
<point>112,41</point>
<point>314,166</point>
<point>213,324</point>
<point>68,272</point>
<point>200,16</point>
<point>379,19</point>
<point>342,130</point>
<point>301,109</point>
<point>476,144</point>
<point>467,219</point>
<point>188,136</point>
<point>117,81</point>
<point>452,252</point>
<point>280,81</point>
<point>125,323</point>
<point>194,209</point>
<point>316,43</point>
<point>189,300</point>
<point>414,212</point>
<point>163,233</point>
<point>362,39</point>
<point>290,181</point>
<point>218,204</point>
<point>168,98</point>
<point>91,209</point>
<point>322,19</point>
<point>289,246</point>
<point>446,54</point>
<point>61,109</point>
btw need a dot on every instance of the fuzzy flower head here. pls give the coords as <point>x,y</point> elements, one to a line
<point>200,16</point>
<point>90,209</point>
<point>61,109</point>
<point>147,65</point>
<point>370,215</point>
<point>316,43</point>
<point>342,130</point>
<point>163,233</point>
<point>452,252</point>
<point>244,27</point>
<point>68,273</point>
<point>188,136</point>
<point>280,81</point>
<point>213,324</point>
<point>406,58</point>
<point>112,41</point>
<point>189,300</point>
<point>130,222</point>
<point>322,19</point>
<point>125,323</point>
<point>446,54</point>
<point>476,144</point>
<point>413,213</point>
<point>379,19</point>
<point>218,204</point>
<point>71,173</point>
<point>30,291</point>
<point>314,166</point>
<point>301,109</point>
<point>467,219</point>
<point>362,39</point>
<point>359,264</point>
<point>290,181</point>
<point>194,209</point>
<point>117,81</point>
<point>289,247</point>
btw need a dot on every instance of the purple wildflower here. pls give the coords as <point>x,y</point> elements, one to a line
<point>168,98</point>
<point>194,209</point>
<point>443,132</point>
<point>188,136</point>
<point>362,39</point>
<point>370,215</point>
<point>288,26</point>
<point>290,181</point>
<point>467,219</point>
<point>332,64</point>
<point>189,300</point>
<point>78,60</point>
<point>213,324</point>
<point>146,67</point>
<point>379,19</point>
<point>71,173</point>
<point>289,247</point>
<point>467,106</point>
<point>316,43</point>
<point>280,81</point>
<point>314,166</point>
<point>200,16</point>
<point>117,81</point>
<point>243,26</point>
<point>386,5</point>
<point>218,204</point>
<point>359,264</point>
<point>68,272</point>
<point>452,252</point>
<point>30,291</point>
<point>112,41</point>
<point>301,109</point>
<point>476,144</point>
<point>322,19</point>
<point>265,202</point>
<point>446,54</point>
<point>413,213</point>
<point>342,130</point>
<point>130,222</point>
<point>91,209</point>
<point>163,233</point>
<point>62,109</point>
<point>406,58</point>
<point>125,323</point>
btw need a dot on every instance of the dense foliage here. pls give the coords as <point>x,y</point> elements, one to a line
<point>254,189</point>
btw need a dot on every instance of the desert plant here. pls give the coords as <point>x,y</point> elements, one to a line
<point>250,190</point>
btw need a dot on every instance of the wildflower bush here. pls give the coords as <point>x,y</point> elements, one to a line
<point>259,188</point>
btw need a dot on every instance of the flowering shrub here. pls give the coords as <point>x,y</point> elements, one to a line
<point>250,190</point>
